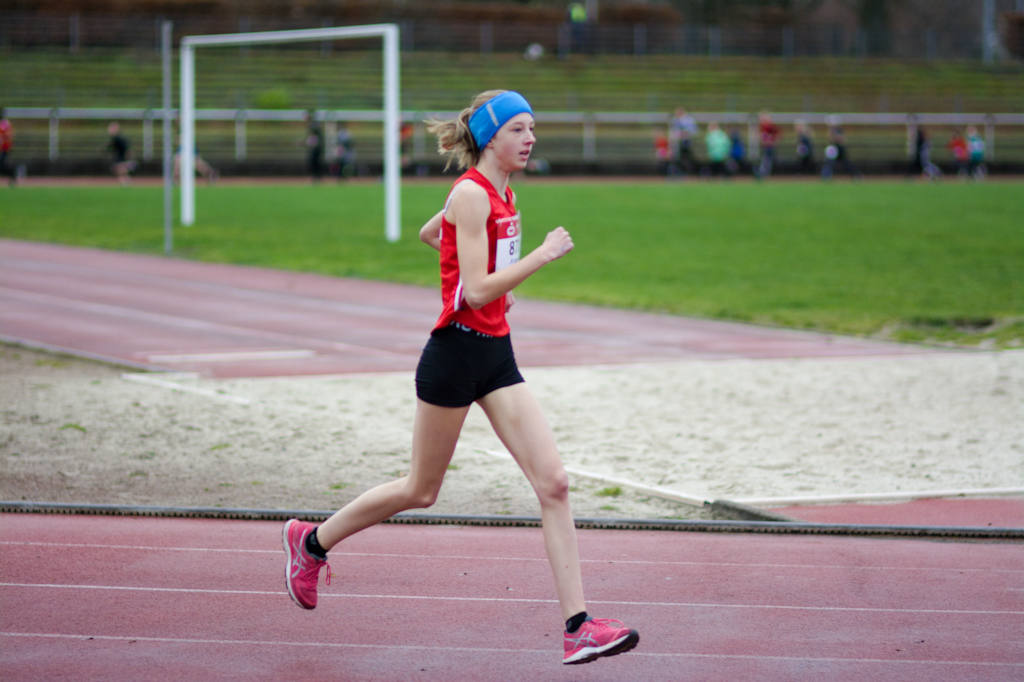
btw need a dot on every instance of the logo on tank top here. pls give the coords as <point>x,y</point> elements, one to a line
<point>509,242</point>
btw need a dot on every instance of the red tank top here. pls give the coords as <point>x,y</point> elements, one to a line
<point>504,242</point>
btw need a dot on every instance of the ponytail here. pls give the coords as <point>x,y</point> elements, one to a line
<point>454,139</point>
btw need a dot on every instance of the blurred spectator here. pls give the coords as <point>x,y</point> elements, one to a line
<point>975,154</point>
<point>804,148</point>
<point>199,165</point>
<point>345,159</point>
<point>684,129</point>
<point>922,162</point>
<point>662,152</point>
<point>6,143</point>
<point>769,137</point>
<point>737,152</point>
<point>538,166</point>
<point>577,15</point>
<point>314,143</point>
<point>718,146</point>
<point>958,148</point>
<point>405,133</point>
<point>120,151</point>
<point>836,154</point>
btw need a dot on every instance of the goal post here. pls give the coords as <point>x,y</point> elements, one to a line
<point>389,34</point>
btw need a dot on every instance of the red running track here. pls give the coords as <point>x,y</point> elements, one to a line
<point>949,512</point>
<point>132,598</point>
<point>116,598</point>
<point>232,321</point>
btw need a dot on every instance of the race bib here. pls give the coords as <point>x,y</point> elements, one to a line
<point>509,242</point>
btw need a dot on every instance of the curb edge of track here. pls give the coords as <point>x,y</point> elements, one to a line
<point>776,526</point>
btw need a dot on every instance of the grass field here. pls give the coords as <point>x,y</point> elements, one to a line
<point>901,260</point>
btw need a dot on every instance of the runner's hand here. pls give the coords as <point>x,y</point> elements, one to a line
<point>556,244</point>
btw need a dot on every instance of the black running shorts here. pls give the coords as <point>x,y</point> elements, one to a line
<point>458,367</point>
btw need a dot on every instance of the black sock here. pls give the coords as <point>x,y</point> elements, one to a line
<point>313,546</point>
<point>574,623</point>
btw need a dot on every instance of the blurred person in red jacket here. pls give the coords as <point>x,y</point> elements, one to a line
<point>6,142</point>
<point>769,137</point>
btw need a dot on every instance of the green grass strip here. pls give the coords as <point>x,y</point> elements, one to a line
<point>902,260</point>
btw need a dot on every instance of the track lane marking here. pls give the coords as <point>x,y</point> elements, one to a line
<point>189,323</point>
<point>158,381</point>
<point>232,356</point>
<point>492,650</point>
<point>519,600</point>
<point>470,557</point>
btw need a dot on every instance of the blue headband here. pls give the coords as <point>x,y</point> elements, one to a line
<point>496,112</point>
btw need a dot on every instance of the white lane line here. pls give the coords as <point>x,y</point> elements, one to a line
<point>274,297</point>
<point>892,496</point>
<point>190,323</point>
<point>769,502</point>
<point>340,555</point>
<point>139,548</point>
<point>261,643</point>
<point>494,650</point>
<point>664,493</point>
<point>521,600</point>
<point>156,380</point>
<point>232,356</point>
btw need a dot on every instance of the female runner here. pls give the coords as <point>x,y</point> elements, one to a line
<point>468,359</point>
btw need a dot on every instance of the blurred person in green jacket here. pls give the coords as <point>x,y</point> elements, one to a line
<point>718,146</point>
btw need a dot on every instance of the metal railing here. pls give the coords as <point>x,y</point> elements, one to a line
<point>569,137</point>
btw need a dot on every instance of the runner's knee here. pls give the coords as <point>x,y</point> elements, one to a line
<point>421,496</point>
<point>554,487</point>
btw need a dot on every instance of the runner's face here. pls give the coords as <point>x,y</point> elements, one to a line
<point>514,142</point>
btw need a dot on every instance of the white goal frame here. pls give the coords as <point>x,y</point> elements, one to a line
<point>389,33</point>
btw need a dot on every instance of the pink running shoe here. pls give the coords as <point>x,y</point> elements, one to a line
<point>303,569</point>
<point>596,638</point>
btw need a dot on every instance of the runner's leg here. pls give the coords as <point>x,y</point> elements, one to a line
<point>520,424</point>
<point>435,433</point>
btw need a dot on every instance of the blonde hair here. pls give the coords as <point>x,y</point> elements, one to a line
<point>454,139</point>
